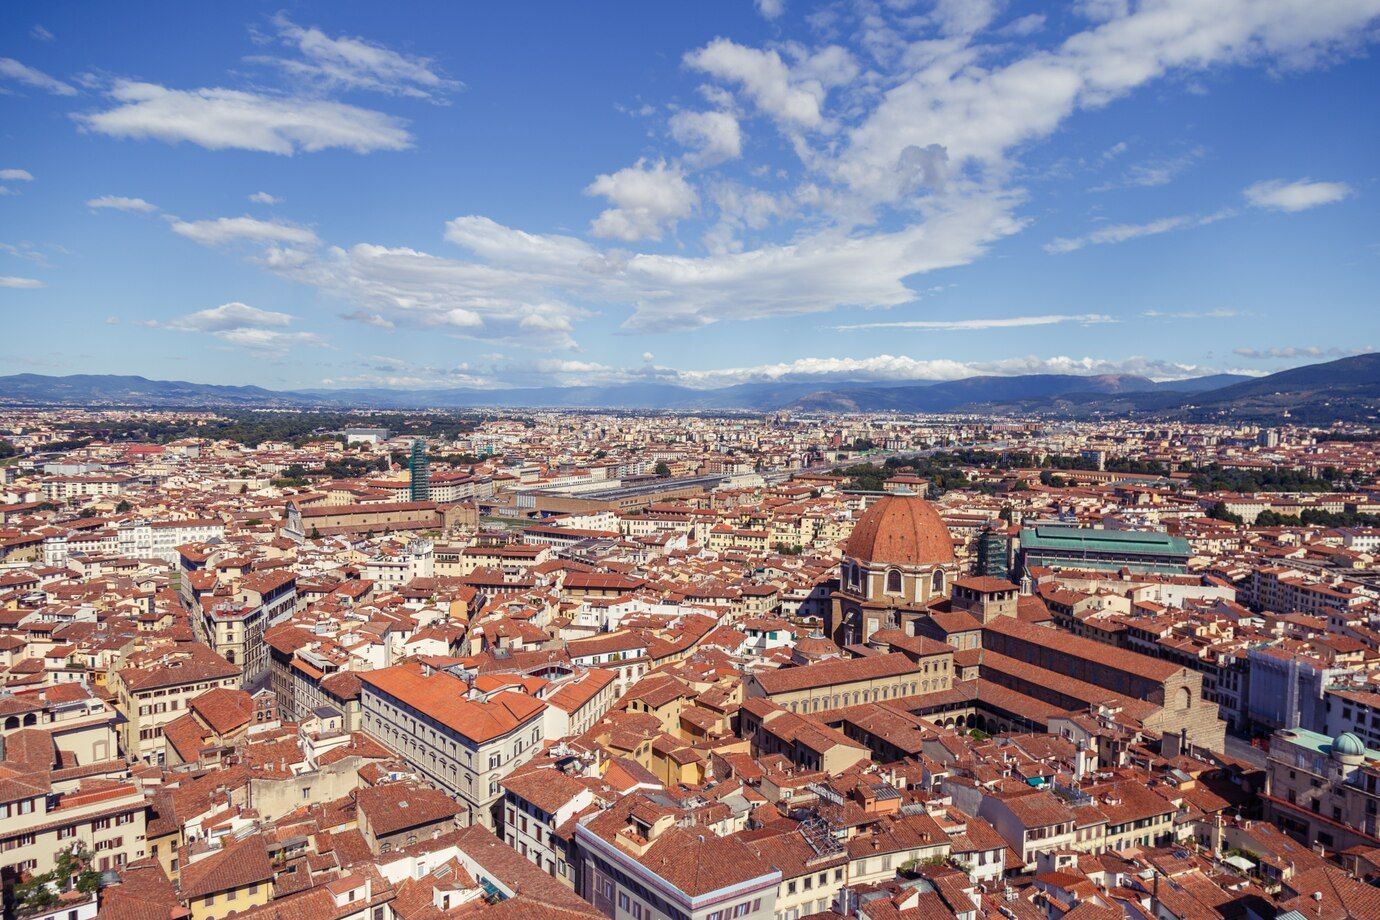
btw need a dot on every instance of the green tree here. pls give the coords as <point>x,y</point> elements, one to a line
<point>662,469</point>
<point>72,872</point>
<point>1219,511</point>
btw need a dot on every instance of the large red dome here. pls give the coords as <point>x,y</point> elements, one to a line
<point>901,530</point>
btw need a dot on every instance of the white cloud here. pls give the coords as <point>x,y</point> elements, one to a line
<point>1026,25</point>
<point>226,230</point>
<point>906,166</point>
<point>533,251</point>
<point>1120,233</point>
<point>356,63</point>
<point>22,73</point>
<point>979,112</point>
<point>388,371</point>
<point>244,326</point>
<point>523,287</point>
<point>225,119</point>
<point>264,198</point>
<point>270,341</point>
<point>369,319</point>
<point>16,175</point>
<point>23,284</point>
<point>770,9</point>
<point>1154,172</point>
<point>713,137</point>
<point>964,17</point>
<point>496,370</point>
<point>1279,195</point>
<point>793,98</point>
<point>29,252</point>
<point>41,33</point>
<point>566,366</point>
<point>969,325</point>
<point>814,273</point>
<point>511,301</point>
<point>1297,351</point>
<point>902,368</point>
<point>227,316</point>
<point>120,203</point>
<point>1102,10</point>
<point>1220,313</point>
<point>647,198</point>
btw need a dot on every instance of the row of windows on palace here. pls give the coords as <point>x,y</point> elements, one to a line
<point>418,734</point>
<point>874,696</point>
<point>438,731</point>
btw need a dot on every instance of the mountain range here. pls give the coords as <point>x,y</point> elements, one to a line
<point>1347,389</point>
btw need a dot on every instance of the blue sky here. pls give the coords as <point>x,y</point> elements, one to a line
<point>355,194</point>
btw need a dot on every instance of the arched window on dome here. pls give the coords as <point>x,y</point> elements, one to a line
<point>937,582</point>
<point>893,581</point>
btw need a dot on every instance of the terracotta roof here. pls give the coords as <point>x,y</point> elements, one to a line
<point>172,666</point>
<point>237,865</point>
<point>698,864</point>
<point>144,893</point>
<point>400,806</point>
<point>830,673</point>
<point>548,789</point>
<point>224,709</point>
<point>442,697</point>
<point>901,530</point>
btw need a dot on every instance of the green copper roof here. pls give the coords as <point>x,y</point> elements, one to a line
<point>1323,744</point>
<point>1095,540</point>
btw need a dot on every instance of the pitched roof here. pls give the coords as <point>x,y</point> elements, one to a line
<point>399,806</point>
<point>236,865</point>
<point>831,673</point>
<point>441,696</point>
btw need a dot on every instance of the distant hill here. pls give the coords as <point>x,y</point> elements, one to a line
<point>1344,390</point>
<point>112,390</point>
<point>749,396</point>
<point>972,391</point>
<point>1347,389</point>
<point>105,389</point>
<point>1200,384</point>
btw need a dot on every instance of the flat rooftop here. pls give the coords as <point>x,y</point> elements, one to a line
<point>1317,741</point>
